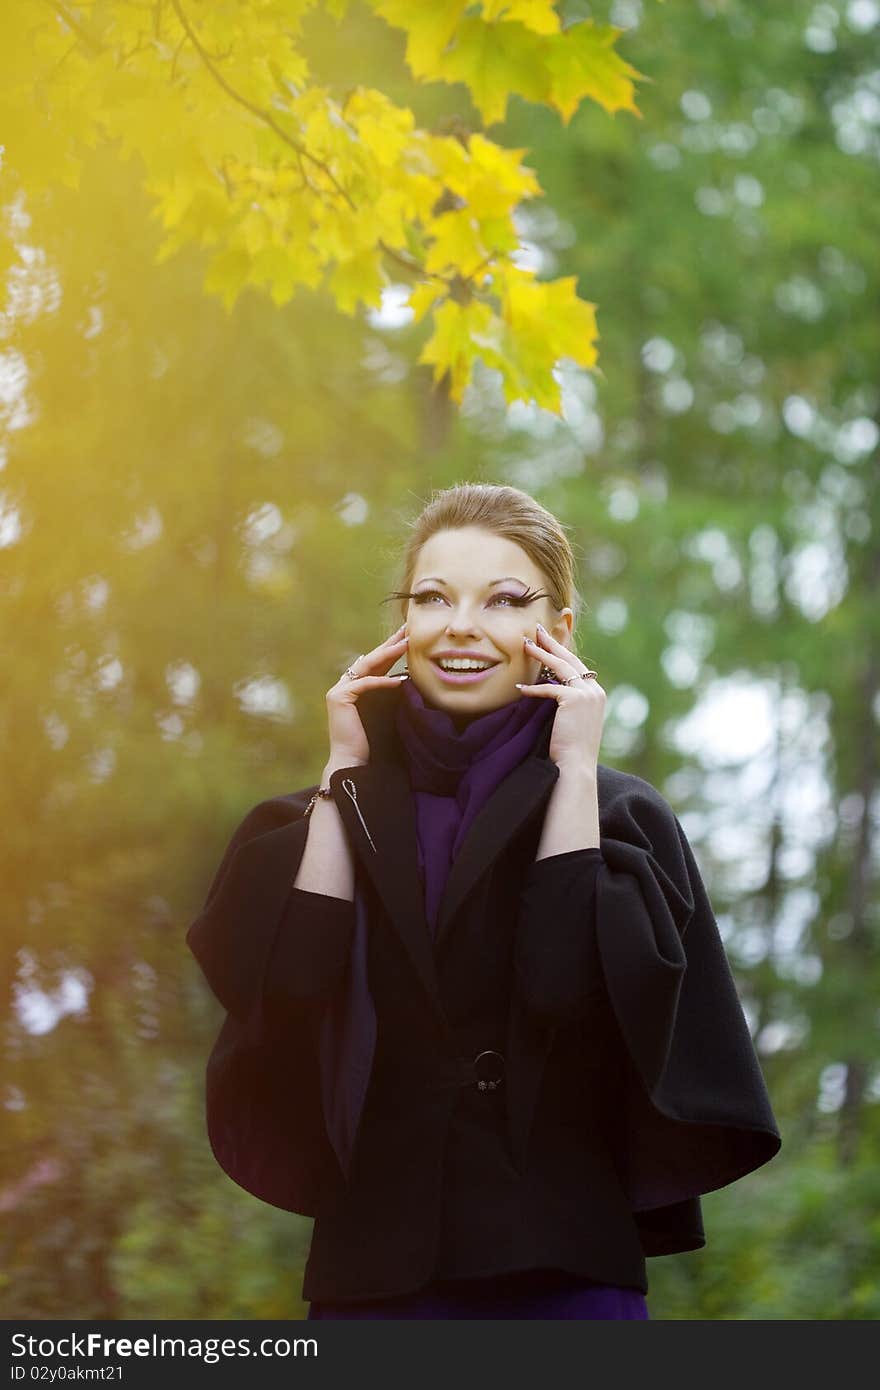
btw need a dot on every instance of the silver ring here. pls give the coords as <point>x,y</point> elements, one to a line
<point>582,676</point>
<point>350,671</point>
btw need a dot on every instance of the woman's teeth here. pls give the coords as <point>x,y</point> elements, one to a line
<point>460,664</point>
<point>462,671</point>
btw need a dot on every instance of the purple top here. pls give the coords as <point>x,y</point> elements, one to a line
<point>532,1293</point>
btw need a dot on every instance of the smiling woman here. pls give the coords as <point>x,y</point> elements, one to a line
<point>474,596</point>
<point>480,1021</point>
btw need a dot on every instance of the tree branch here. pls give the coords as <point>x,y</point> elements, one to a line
<point>412,266</point>
<point>269,120</point>
<point>75,25</point>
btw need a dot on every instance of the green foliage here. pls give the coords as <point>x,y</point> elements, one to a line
<point>292,183</point>
<point>200,515</point>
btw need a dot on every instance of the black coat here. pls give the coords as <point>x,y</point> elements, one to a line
<point>630,1084</point>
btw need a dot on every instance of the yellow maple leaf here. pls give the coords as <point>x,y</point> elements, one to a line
<point>582,63</point>
<point>282,269</point>
<point>494,60</point>
<point>227,274</point>
<point>423,297</point>
<point>452,347</point>
<point>494,179</point>
<point>359,279</point>
<point>429,28</point>
<point>538,15</point>
<point>549,317</point>
<point>384,128</point>
<point>457,244</point>
<point>254,230</point>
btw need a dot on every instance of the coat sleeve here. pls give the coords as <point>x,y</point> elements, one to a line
<point>632,924</point>
<point>559,984</point>
<point>273,956</point>
<point>258,940</point>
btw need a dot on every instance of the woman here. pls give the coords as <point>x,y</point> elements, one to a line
<point>480,1023</point>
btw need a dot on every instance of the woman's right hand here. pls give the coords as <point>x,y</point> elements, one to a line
<point>348,742</point>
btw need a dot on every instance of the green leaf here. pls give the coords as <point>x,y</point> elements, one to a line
<point>494,61</point>
<point>582,63</point>
<point>429,28</point>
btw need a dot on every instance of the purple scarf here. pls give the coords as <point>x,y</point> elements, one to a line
<point>453,772</point>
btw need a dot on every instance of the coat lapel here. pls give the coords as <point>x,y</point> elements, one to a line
<point>377,809</point>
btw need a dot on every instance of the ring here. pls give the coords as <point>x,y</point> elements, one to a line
<point>581,676</point>
<point>350,671</point>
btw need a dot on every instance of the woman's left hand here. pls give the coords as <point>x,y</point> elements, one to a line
<point>580,714</point>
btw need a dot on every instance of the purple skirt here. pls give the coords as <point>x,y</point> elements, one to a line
<point>531,1293</point>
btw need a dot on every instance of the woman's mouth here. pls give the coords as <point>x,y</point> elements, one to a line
<point>462,676</point>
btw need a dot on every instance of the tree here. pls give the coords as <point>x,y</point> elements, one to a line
<point>292,182</point>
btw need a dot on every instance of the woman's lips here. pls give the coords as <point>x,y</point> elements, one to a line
<point>462,677</point>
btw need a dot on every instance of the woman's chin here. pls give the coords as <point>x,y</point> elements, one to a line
<point>463,708</point>
<point>463,700</point>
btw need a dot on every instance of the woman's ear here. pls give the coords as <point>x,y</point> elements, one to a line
<point>562,627</point>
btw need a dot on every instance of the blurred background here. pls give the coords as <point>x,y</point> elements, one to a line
<point>201,513</point>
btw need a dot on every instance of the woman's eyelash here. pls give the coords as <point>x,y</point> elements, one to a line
<point>516,600</point>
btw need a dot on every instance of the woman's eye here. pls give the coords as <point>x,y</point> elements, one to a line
<point>425,594</point>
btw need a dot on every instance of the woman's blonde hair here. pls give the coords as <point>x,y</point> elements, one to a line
<point>509,512</point>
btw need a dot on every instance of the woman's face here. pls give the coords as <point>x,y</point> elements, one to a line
<point>468,587</point>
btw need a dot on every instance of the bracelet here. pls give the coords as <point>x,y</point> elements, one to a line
<point>322,792</point>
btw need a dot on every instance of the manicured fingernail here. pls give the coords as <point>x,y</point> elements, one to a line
<point>518,684</point>
<point>541,627</point>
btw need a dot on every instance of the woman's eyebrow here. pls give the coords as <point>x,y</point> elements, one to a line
<point>435,579</point>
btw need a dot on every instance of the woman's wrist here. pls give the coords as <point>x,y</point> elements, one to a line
<point>571,820</point>
<point>335,762</point>
<point>322,791</point>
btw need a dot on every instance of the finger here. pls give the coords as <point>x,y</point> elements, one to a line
<point>546,691</point>
<point>387,651</point>
<point>554,646</point>
<point>361,683</point>
<point>378,668</point>
<point>534,650</point>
